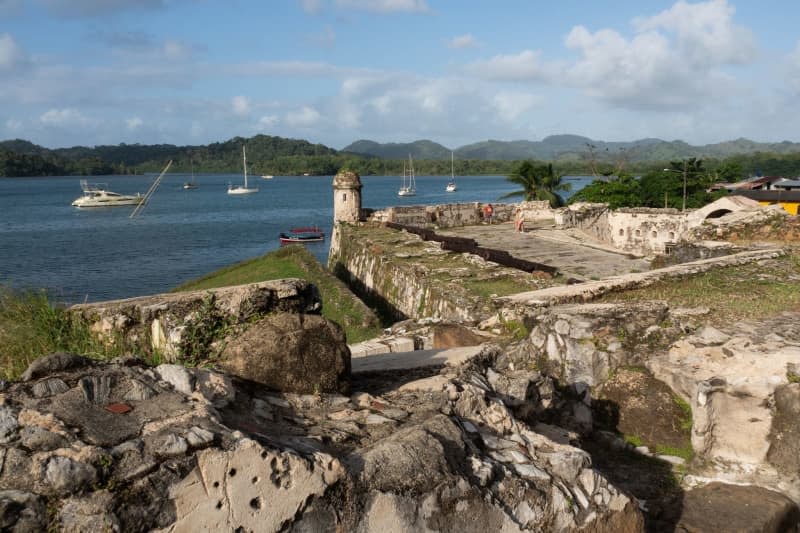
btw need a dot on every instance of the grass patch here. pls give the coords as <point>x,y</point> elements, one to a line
<point>634,440</point>
<point>338,303</point>
<point>686,419</point>
<point>501,286</point>
<point>760,289</point>
<point>30,326</point>
<point>684,452</point>
<point>792,377</point>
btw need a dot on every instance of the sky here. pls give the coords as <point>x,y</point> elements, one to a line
<point>91,72</point>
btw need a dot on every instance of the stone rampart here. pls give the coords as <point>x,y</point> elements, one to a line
<point>160,322</point>
<point>443,215</point>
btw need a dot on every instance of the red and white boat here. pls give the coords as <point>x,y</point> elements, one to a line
<point>306,234</point>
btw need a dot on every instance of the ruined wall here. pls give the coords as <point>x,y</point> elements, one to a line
<point>641,231</point>
<point>645,231</point>
<point>443,215</point>
<point>536,210</point>
<point>397,287</point>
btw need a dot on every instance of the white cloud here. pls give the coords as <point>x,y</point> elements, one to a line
<point>525,66</point>
<point>63,117</point>
<point>653,69</point>
<point>303,118</point>
<point>462,41</point>
<point>240,105</point>
<point>267,121</point>
<point>511,106</point>
<point>386,6</point>
<point>705,32</point>
<point>11,55</point>
<point>134,123</point>
<point>311,6</point>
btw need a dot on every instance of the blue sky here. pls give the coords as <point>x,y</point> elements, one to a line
<point>87,72</point>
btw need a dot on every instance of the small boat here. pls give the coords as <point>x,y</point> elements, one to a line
<point>239,189</point>
<point>408,187</point>
<point>267,176</point>
<point>451,187</point>
<point>98,195</point>
<point>308,234</point>
<point>187,185</point>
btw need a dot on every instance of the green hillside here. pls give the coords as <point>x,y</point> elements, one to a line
<point>423,149</point>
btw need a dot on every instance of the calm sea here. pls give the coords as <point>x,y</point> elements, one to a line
<point>99,254</point>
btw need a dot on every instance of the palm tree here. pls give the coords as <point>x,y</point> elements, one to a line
<point>538,183</point>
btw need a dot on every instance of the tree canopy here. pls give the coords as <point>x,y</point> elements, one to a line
<point>538,182</point>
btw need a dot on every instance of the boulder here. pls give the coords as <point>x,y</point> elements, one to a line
<point>745,509</point>
<point>291,353</point>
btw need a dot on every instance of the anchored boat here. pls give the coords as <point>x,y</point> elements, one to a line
<point>308,234</point>
<point>98,195</point>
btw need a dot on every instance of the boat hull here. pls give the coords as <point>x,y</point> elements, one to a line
<point>89,203</point>
<point>241,190</point>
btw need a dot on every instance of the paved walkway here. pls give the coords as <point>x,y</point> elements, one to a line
<point>573,253</point>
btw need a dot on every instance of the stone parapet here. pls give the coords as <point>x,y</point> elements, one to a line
<point>160,322</point>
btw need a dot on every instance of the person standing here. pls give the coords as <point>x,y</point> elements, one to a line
<point>488,212</point>
<point>519,220</point>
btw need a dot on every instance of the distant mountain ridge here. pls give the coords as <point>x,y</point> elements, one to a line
<point>569,148</point>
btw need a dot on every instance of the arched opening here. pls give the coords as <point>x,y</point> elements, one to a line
<point>718,213</point>
<point>672,235</point>
<point>638,233</point>
<point>621,232</point>
<point>654,234</point>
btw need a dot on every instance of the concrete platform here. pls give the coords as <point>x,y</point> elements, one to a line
<point>573,253</point>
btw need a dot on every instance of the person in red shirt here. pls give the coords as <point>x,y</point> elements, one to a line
<point>488,212</point>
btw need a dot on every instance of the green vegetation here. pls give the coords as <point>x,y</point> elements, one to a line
<point>339,304</point>
<point>734,293</point>
<point>634,440</point>
<point>500,286</point>
<point>31,327</point>
<point>568,155</point>
<point>209,325</point>
<point>538,182</point>
<point>658,187</point>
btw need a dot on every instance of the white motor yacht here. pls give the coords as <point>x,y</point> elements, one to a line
<point>98,195</point>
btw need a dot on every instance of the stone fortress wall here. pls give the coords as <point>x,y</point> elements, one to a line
<point>638,231</point>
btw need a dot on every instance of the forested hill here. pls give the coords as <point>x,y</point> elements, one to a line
<point>266,155</point>
<point>567,148</point>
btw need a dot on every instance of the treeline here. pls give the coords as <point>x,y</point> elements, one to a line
<point>280,156</point>
<point>13,164</point>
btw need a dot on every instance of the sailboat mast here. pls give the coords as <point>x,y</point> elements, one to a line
<point>452,167</point>
<point>244,160</point>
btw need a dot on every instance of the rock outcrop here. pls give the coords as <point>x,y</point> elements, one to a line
<point>174,324</point>
<point>291,352</point>
<point>737,381</point>
<point>125,447</point>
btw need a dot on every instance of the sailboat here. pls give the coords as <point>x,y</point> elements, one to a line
<point>452,187</point>
<point>238,189</point>
<point>408,187</point>
<point>190,184</point>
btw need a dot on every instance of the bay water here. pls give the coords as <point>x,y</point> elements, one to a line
<point>81,255</point>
